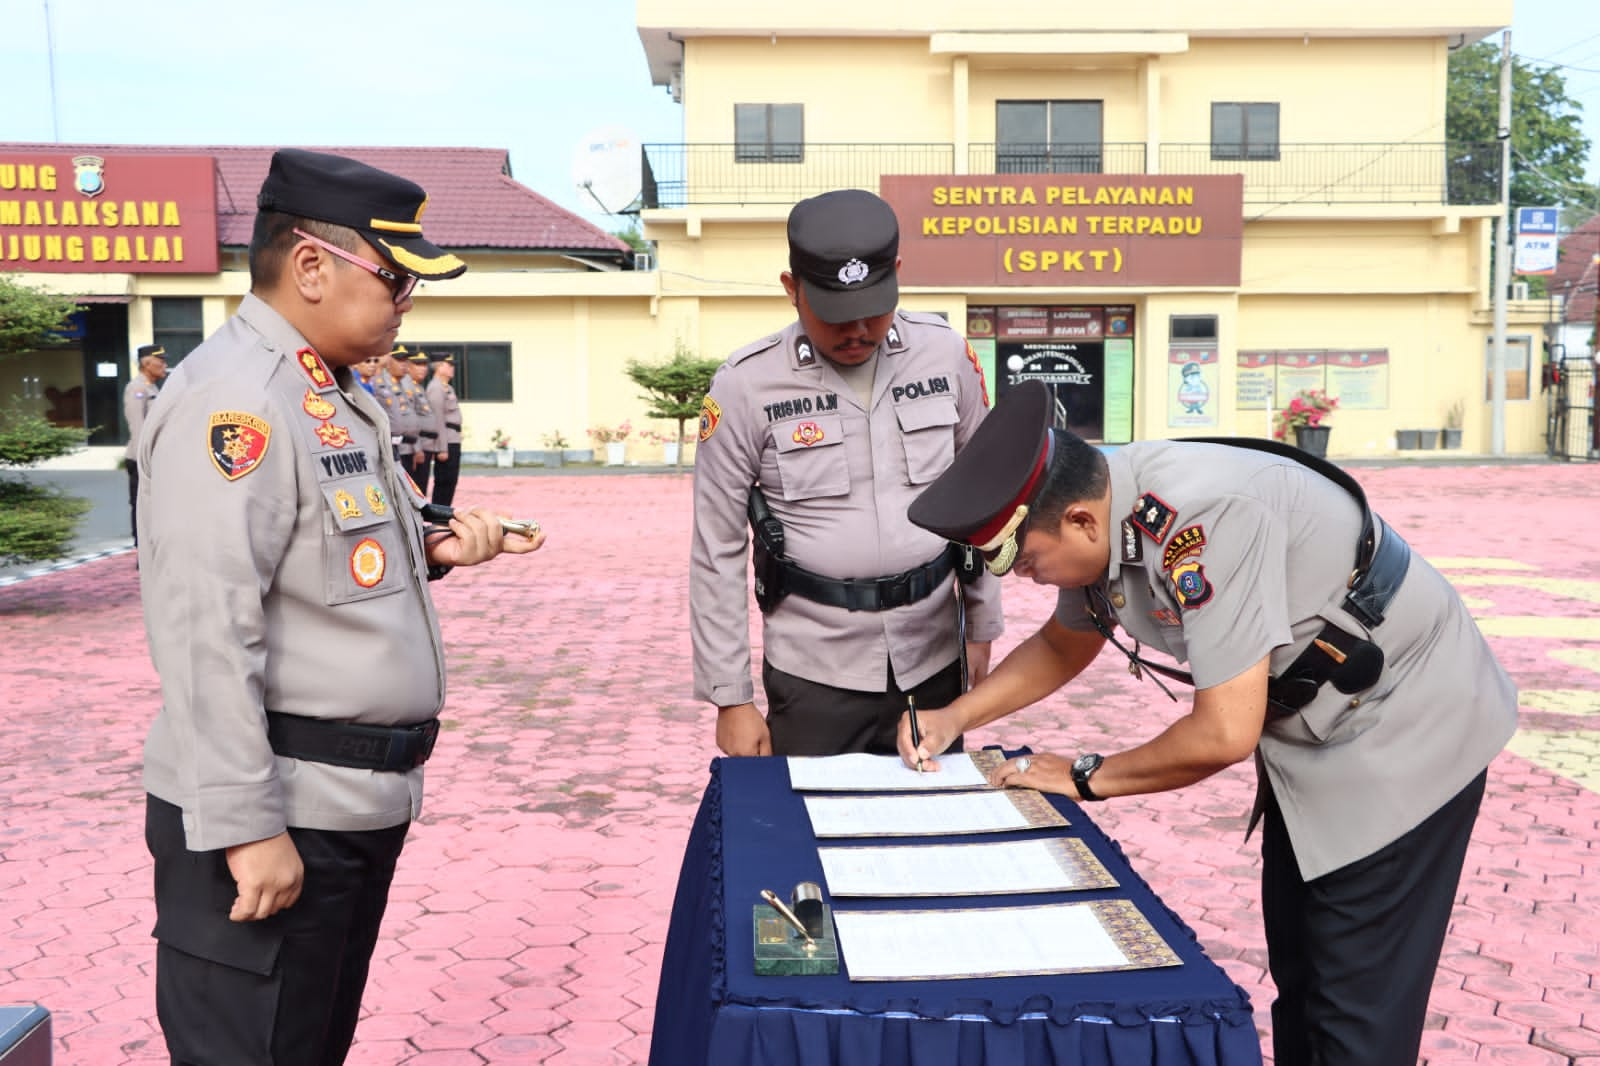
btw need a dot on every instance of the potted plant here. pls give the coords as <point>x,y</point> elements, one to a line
<point>555,448</point>
<point>614,439</point>
<point>1307,417</point>
<point>1454,416</point>
<point>500,441</point>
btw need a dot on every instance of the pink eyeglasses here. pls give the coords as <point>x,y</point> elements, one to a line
<point>400,285</point>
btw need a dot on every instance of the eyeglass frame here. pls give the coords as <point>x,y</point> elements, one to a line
<point>401,286</point>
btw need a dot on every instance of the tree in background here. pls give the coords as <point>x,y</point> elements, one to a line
<point>676,388</point>
<point>36,522</point>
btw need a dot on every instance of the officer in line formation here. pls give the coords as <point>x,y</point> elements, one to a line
<point>283,558</point>
<point>442,399</point>
<point>430,422</point>
<point>821,435</point>
<point>1317,642</point>
<point>137,396</point>
<point>411,421</point>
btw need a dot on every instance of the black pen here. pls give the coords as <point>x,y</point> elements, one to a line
<point>916,731</point>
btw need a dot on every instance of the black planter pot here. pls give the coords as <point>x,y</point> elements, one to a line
<point>1312,440</point>
<point>1452,438</point>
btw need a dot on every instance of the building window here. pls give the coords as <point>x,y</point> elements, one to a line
<point>483,371</point>
<point>769,133</point>
<point>178,325</point>
<point>1193,329</point>
<point>1519,358</point>
<point>1047,136</point>
<point>1244,131</point>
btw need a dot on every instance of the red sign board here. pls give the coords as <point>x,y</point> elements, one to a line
<point>1060,230</point>
<point>108,214</point>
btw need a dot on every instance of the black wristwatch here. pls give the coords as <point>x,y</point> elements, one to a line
<point>1083,768</point>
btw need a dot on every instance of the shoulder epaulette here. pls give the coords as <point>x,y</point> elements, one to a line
<point>762,345</point>
<point>926,318</point>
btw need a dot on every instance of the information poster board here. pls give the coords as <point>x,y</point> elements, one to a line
<point>1253,380</point>
<point>1192,387</point>
<point>1359,379</point>
<point>1119,390</point>
<point>1297,371</point>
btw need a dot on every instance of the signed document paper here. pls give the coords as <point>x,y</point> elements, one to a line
<point>887,773</point>
<point>1092,937</point>
<point>1058,865</point>
<point>941,814</point>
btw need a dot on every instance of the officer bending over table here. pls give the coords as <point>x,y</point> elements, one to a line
<point>280,549</point>
<point>1316,640</point>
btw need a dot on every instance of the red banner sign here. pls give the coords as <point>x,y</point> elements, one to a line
<point>108,214</point>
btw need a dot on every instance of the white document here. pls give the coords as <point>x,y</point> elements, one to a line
<point>886,773</point>
<point>1001,942</point>
<point>1012,867</point>
<point>940,814</point>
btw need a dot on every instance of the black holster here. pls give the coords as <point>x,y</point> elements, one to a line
<point>766,551</point>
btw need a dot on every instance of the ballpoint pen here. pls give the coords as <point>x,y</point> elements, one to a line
<point>916,730</point>
<point>788,915</point>
<point>440,513</point>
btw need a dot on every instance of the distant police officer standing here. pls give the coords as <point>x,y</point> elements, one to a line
<point>137,397</point>
<point>447,460</point>
<point>430,425</point>
<point>836,423</point>
<point>391,385</point>
<point>284,571</point>
<point>1316,639</point>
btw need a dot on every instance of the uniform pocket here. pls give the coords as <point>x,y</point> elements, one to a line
<point>811,458</point>
<point>363,555</point>
<point>927,431</point>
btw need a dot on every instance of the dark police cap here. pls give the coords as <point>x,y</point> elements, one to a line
<point>384,208</point>
<point>152,351</point>
<point>447,357</point>
<point>842,248</point>
<point>418,357</point>
<point>983,498</point>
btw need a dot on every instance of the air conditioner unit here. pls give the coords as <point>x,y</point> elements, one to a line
<point>1519,290</point>
<point>643,261</point>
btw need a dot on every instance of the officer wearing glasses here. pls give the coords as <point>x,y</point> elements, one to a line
<point>280,547</point>
<point>1316,642</point>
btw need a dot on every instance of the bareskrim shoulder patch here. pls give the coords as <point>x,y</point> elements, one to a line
<point>238,442</point>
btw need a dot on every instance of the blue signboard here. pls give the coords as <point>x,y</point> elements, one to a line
<point>1536,220</point>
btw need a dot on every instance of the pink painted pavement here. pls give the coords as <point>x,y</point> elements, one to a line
<point>528,914</point>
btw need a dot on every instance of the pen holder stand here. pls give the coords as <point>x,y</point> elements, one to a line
<point>782,952</point>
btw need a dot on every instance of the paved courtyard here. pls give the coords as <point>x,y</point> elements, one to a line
<point>527,918</point>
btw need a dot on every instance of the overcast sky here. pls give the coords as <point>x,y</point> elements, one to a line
<point>532,76</point>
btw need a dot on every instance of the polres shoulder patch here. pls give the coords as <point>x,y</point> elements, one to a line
<point>238,442</point>
<point>710,416</point>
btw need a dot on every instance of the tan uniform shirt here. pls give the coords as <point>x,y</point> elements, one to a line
<point>840,477</point>
<point>442,398</point>
<point>1267,546</point>
<point>398,405</point>
<point>282,567</point>
<point>430,420</point>
<point>137,396</point>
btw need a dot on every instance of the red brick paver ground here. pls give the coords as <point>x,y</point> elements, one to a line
<point>528,914</point>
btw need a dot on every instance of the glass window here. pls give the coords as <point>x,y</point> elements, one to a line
<point>769,133</point>
<point>177,325</point>
<point>1048,136</point>
<point>1193,328</point>
<point>483,371</point>
<point>1244,131</point>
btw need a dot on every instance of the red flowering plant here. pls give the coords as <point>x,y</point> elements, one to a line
<point>1310,407</point>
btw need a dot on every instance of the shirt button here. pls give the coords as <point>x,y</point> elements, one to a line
<point>1355,701</point>
<point>1118,600</point>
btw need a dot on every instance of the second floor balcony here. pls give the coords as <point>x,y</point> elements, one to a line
<point>702,175</point>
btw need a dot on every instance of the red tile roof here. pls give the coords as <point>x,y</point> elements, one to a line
<point>1576,272</point>
<point>473,202</point>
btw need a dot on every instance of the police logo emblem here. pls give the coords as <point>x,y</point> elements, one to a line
<point>710,415</point>
<point>316,406</point>
<point>367,563</point>
<point>348,507</point>
<point>89,174</point>
<point>853,272</point>
<point>376,501</point>
<point>238,442</point>
<point>808,433</point>
<point>333,436</point>
<point>1189,582</point>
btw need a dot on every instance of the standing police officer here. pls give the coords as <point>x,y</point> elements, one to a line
<point>430,425</point>
<point>391,386</point>
<point>823,433</point>
<point>447,460</point>
<point>137,396</point>
<point>284,570</point>
<point>1316,640</point>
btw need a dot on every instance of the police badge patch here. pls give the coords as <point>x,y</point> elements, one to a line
<point>807,434</point>
<point>710,415</point>
<point>367,563</point>
<point>238,442</point>
<point>1189,582</point>
<point>89,175</point>
<point>316,406</point>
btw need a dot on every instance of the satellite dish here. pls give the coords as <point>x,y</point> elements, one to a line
<point>608,169</point>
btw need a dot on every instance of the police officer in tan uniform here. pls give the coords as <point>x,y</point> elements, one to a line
<point>137,396</point>
<point>430,423</point>
<point>1317,642</point>
<point>284,572</point>
<point>839,421</point>
<point>391,386</point>
<point>442,398</point>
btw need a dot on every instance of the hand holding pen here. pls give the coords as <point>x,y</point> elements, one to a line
<point>916,730</point>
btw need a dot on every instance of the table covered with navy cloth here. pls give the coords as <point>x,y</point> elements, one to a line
<point>712,1009</point>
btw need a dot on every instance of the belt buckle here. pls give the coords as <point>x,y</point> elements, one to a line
<point>428,733</point>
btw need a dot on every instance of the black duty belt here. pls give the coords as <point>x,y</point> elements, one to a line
<point>453,425</point>
<point>870,593</point>
<point>425,433</point>
<point>407,439</point>
<point>363,747</point>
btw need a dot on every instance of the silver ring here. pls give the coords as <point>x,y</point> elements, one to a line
<point>1024,764</point>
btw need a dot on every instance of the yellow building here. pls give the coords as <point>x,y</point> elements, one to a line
<point>1178,214</point>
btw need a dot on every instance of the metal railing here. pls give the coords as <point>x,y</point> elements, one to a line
<point>681,175</point>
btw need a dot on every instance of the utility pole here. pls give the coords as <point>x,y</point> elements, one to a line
<point>1502,259</point>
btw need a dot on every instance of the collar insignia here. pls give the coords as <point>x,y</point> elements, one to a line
<point>804,353</point>
<point>312,366</point>
<point>1153,515</point>
<point>1132,546</point>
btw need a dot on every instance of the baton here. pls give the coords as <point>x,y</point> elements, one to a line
<point>441,514</point>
